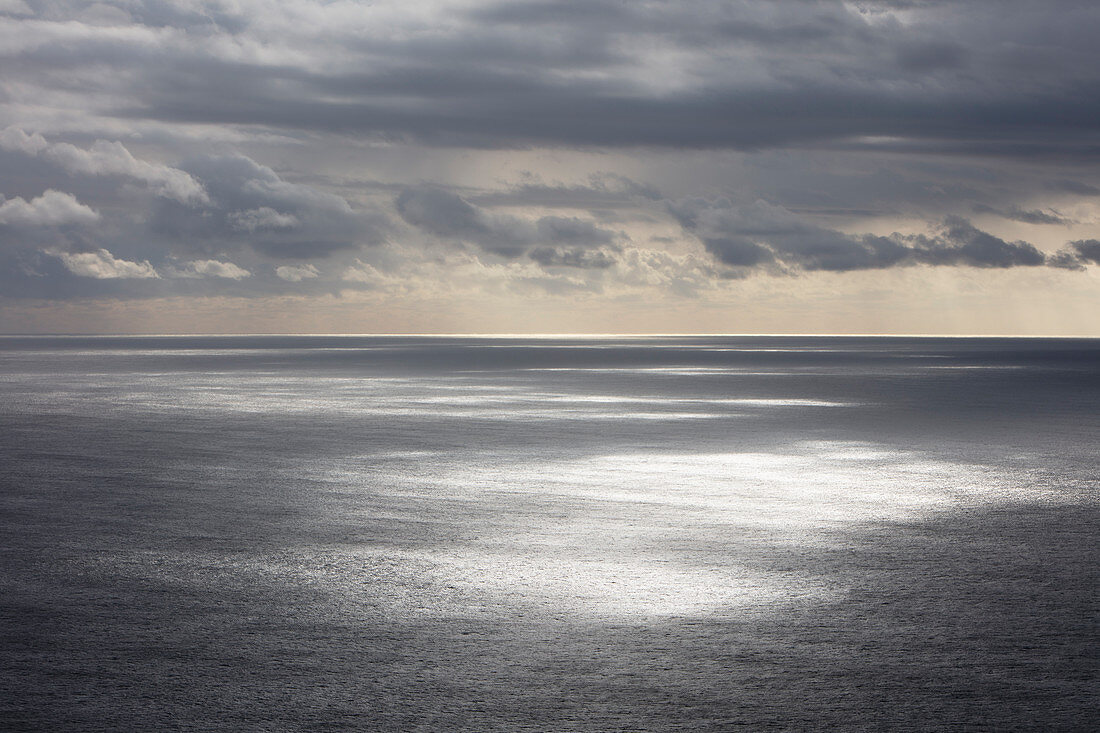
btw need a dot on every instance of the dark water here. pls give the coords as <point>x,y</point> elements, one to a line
<point>331,533</point>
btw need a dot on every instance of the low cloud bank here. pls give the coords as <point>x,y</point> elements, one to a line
<point>761,234</point>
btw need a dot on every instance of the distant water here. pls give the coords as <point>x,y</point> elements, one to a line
<point>435,534</point>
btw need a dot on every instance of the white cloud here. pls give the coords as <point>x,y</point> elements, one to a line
<point>362,272</point>
<point>210,268</point>
<point>107,158</point>
<point>102,265</point>
<point>296,273</point>
<point>52,208</point>
<point>262,218</point>
<point>12,138</point>
<point>367,274</point>
<point>681,274</point>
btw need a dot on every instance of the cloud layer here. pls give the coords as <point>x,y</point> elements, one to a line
<point>664,150</point>
<point>760,234</point>
<point>991,76</point>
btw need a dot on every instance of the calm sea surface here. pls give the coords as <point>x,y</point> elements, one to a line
<point>437,534</point>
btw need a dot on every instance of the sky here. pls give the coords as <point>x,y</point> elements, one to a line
<point>487,166</point>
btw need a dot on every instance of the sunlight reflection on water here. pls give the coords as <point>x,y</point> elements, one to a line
<point>613,534</point>
<point>436,536</point>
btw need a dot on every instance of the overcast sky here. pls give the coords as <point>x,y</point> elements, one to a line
<point>914,166</point>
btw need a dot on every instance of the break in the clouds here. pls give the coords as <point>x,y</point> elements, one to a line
<point>657,150</point>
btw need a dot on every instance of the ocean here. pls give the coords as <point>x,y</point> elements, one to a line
<point>549,534</point>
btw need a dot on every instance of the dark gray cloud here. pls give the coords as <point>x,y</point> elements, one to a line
<point>963,244</point>
<point>707,118</point>
<point>573,231</point>
<point>250,204</point>
<point>1008,77</point>
<point>737,251</point>
<point>1035,216</point>
<point>442,213</point>
<point>548,240</point>
<point>1077,255</point>
<point>1087,250</point>
<point>1027,216</point>
<point>925,56</point>
<point>760,234</point>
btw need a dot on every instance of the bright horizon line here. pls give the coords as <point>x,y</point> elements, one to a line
<point>490,335</point>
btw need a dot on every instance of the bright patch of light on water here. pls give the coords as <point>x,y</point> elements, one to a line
<point>633,535</point>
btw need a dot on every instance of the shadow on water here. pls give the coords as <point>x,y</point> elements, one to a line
<point>974,619</point>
